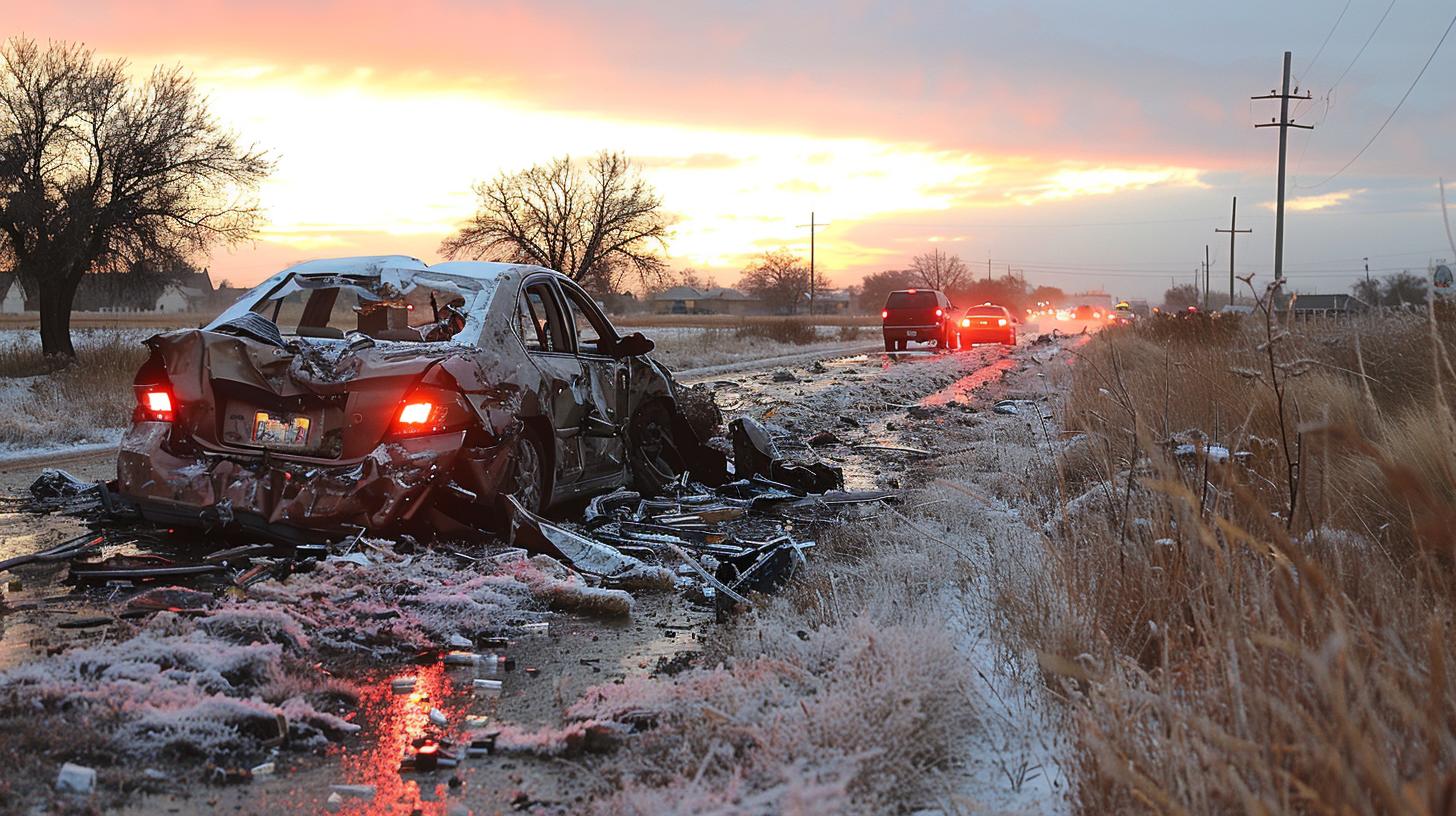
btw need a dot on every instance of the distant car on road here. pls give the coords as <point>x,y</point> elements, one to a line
<point>918,316</point>
<point>1086,312</point>
<point>1122,313</point>
<point>988,323</point>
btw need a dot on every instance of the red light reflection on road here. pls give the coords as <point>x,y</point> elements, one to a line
<point>960,390</point>
<point>393,723</point>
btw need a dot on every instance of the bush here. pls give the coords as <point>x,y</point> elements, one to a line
<point>795,332</point>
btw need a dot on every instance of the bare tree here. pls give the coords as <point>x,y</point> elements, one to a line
<point>1180,297</point>
<point>95,170</point>
<point>877,287</point>
<point>937,270</point>
<point>780,279</point>
<point>595,222</point>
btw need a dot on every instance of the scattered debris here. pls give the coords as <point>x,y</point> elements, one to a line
<point>1214,453</point>
<point>76,779</point>
<point>823,438</point>
<point>137,568</point>
<point>536,534</point>
<point>755,454</point>
<point>65,551</point>
<point>365,792</point>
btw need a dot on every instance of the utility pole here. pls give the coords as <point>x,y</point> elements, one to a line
<point>988,270</point>
<point>813,280</point>
<point>1367,270</point>
<point>1233,232</point>
<point>1205,277</point>
<point>1284,124</point>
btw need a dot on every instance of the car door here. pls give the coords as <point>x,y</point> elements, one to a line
<point>602,437</point>
<point>546,335</point>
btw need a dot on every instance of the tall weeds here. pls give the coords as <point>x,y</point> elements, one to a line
<point>1257,565</point>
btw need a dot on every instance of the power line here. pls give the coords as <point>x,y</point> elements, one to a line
<point>1398,105</point>
<point>1321,50</point>
<point>1378,24</point>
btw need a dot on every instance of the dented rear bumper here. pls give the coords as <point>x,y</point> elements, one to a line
<point>388,487</point>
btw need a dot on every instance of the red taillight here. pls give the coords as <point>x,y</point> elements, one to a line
<point>884,314</point>
<point>939,313</point>
<point>416,413</point>
<point>154,404</point>
<point>429,409</point>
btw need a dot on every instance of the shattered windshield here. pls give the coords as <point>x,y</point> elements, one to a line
<point>330,306</point>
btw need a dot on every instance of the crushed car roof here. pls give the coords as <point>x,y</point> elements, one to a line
<point>476,280</point>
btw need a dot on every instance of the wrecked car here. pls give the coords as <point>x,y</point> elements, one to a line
<point>381,392</point>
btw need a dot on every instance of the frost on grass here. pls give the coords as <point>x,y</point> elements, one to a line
<point>848,717</point>
<point>175,687</point>
<point>220,683</point>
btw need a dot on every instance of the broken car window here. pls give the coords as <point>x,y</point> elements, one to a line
<point>541,327</point>
<point>591,327</point>
<point>329,312</point>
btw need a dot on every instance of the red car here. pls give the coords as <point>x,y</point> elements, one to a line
<point>988,323</point>
<point>918,316</point>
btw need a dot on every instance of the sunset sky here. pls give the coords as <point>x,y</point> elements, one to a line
<point>1087,144</point>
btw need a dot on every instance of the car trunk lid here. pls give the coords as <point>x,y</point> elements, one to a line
<point>306,398</point>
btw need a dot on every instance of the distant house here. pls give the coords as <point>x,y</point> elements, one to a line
<point>829,301</point>
<point>12,294</point>
<point>1325,305</point>
<point>138,292</point>
<point>716,300</point>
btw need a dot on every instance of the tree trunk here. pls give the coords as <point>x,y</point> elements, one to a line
<point>56,297</point>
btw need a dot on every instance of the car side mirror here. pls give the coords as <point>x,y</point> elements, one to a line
<point>633,345</point>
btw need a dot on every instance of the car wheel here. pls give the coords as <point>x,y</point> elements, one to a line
<point>652,455</point>
<point>889,345</point>
<point>528,474</point>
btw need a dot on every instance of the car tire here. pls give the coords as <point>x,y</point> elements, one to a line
<point>528,472</point>
<point>889,345</point>
<point>652,456</point>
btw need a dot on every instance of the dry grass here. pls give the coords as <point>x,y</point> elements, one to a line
<point>1271,633</point>
<point>780,331</point>
<point>79,402</point>
<point>849,694</point>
